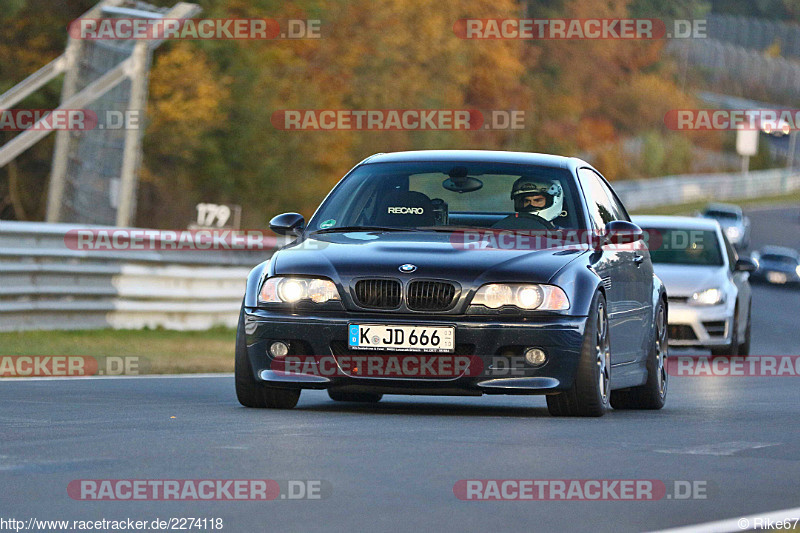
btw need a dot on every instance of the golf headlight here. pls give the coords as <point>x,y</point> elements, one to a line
<point>526,296</point>
<point>797,269</point>
<point>708,297</point>
<point>290,290</point>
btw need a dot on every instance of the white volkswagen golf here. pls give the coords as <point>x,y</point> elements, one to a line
<point>708,289</point>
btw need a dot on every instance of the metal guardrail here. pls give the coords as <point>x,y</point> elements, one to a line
<point>44,284</point>
<point>671,190</point>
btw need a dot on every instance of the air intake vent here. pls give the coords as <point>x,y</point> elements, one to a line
<point>715,329</point>
<point>430,295</point>
<point>378,293</point>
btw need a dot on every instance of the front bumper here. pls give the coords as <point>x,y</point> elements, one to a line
<point>697,326</point>
<point>497,342</point>
<point>776,277</point>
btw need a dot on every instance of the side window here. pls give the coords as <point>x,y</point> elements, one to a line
<point>601,209</point>
<point>616,206</point>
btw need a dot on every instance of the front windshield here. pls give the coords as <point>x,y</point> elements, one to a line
<point>684,247</point>
<point>725,215</point>
<point>442,195</point>
<point>779,259</point>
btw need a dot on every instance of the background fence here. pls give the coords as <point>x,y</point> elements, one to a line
<point>755,34</point>
<point>749,69</point>
<point>46,285</point>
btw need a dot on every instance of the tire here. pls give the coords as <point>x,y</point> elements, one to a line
<point>250,392</point>
<point>364,397</point>
<point>744,347</point>
<point>731,349</point>
<point>590,393</point>
<point>653,394</point>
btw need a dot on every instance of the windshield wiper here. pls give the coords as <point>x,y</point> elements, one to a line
<point>452,229</point>
<point>360,228</point>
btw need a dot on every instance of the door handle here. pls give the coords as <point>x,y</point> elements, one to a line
<point>638,259</point>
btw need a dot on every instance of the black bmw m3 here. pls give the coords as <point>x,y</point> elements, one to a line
<point>459,273</point>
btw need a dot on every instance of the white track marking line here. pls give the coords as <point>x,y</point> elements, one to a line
<point>719,448</point>
<point>742,523</point>
<point>149,376</point>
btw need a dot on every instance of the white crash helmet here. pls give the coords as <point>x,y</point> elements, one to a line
<point>551,190</point>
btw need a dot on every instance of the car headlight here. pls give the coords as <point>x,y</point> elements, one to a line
<point>732,232</point>
<point>282,289</point>
<point>797,269</point>
<point>526,296</point>
<point>708,297</point>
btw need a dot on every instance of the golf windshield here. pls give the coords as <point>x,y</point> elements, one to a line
<point>684,246</point>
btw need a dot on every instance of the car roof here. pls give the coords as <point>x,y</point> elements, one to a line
<point>522,158</point>
<point>778,250</point>
<point>663,221</point>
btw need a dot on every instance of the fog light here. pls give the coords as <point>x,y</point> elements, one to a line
<point>535,356</point>
<point>279,349</point>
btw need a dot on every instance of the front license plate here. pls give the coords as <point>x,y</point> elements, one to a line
<point>402,338</point>
<point>776,277</point>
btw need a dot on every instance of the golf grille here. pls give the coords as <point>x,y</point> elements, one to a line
<point>681,333</point>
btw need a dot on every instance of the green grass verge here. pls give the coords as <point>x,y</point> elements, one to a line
<point>691,208</point>
<point>159,351</point>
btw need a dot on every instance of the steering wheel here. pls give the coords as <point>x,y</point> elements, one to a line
<point>543,221</point>
<point>536,219</point>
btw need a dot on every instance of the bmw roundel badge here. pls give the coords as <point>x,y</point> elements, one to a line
<point>407,268</point>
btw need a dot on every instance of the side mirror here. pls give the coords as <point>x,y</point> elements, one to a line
<point>621,232</point>
<point>745,265</point>
<point>287,223</point>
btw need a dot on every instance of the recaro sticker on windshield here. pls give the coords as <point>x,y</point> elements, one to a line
<point>406,210</point>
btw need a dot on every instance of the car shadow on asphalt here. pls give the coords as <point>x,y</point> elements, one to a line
<point>417,408</point>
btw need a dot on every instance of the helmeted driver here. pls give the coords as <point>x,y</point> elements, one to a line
<point>544,199</point>
<point>537,203</point>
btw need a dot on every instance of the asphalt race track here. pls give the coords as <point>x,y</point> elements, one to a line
<point>392,466</point>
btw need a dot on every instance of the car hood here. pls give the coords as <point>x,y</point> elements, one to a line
<point>343,256</point>
<point>685,280</point>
